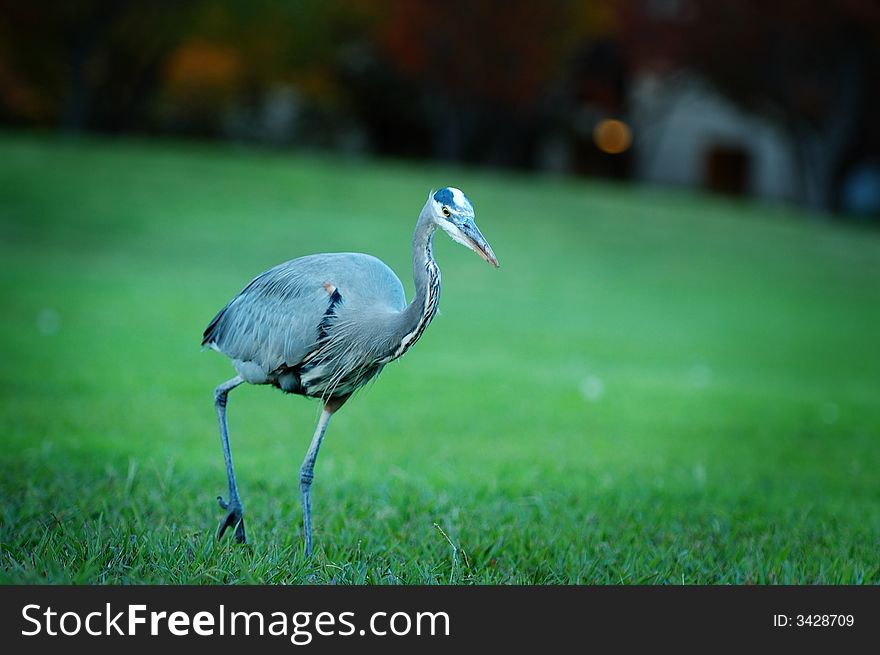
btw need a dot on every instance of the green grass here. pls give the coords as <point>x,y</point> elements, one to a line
<point>654,388</point>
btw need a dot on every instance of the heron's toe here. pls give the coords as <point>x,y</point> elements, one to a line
<point>234,518</point>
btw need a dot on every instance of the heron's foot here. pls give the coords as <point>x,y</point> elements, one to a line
<point>234,519</point>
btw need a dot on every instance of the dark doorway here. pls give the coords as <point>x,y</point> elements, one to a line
<point>727,170</point>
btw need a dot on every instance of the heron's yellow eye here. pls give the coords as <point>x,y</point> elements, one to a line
<point>446,212</point>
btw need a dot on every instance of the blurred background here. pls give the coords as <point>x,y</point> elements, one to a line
<point>771,99</point>
<point>674,377</point>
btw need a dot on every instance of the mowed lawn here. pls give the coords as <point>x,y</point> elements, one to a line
<point>655,387</point>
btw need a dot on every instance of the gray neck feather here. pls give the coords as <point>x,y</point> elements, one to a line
<point>413,320</point>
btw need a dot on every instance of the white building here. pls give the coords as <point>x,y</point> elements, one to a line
<point>686,133</point>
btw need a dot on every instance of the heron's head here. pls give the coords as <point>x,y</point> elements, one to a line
<point>454,213</point>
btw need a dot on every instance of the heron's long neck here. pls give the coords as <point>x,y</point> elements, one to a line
<point>426,276</point>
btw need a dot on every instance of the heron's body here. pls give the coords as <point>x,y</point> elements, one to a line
<point>284,326</point>
<point>323,325</point>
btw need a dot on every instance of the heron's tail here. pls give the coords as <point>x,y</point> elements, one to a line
<point>210,333</point>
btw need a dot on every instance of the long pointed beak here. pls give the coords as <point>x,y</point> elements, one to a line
<point>477,242</point>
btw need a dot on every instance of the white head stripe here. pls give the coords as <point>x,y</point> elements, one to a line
<point>458,197</point>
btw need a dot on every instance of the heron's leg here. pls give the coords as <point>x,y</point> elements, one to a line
<point>307,470</point>
<point>234,517</point>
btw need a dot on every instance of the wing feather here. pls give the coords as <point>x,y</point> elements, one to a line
<point>276,319</point>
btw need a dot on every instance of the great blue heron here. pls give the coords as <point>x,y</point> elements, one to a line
<point>323,325</point>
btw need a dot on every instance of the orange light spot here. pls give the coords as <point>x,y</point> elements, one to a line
<point>612,136</point>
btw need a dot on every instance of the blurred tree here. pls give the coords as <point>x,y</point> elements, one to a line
<point>482,73</point>
<point>809,65</point>
<point>125,65</point>
<point>85,63</point>
<point>240,53</point>
<point>490,82</point>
